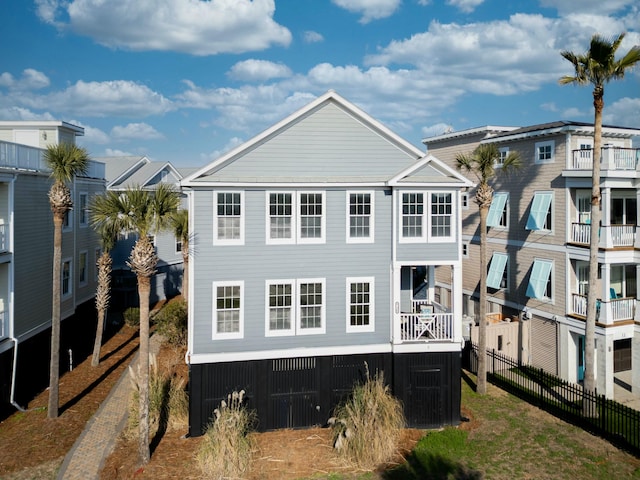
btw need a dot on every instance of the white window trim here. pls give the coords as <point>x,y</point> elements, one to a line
<point>67,295</point>
<point>452,235</point>
<point>371,327</point>
<point>294,211</point>
<point>227,335</point>
<point>178,248</point>
<point>323,218</point>
<point>85,282</point>
<point>370,238</point>
<point>294,309</point>
<point>502,150</point>
<point>226,241</point>
<point>323,310</point>
<point>85,210</point>
<point>425,215</point>
<point>539,145</point>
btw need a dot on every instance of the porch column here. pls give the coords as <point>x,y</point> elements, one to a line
<point>431,286</point>
<point>396,328</point>
<point>456,302</point>
<point>604,365</point>
<point>635,360</point>
<point>637,237</point>
<point>606,314</point>
<point>605,209</point>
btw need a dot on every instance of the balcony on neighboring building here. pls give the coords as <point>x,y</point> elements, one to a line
<point>615,159</point>
<point>611,236</point>
<point>608,311</point>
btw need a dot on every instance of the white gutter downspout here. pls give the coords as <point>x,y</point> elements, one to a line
<point>13,375</point>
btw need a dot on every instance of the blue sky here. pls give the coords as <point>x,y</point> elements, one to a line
<point>186,80</point>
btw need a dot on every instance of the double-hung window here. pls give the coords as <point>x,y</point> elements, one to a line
<point>66,280</point>
<point>228,313</point>
<point>503,153</point>
<point>281,226</point>
<point>540,215</point>
<point>360,304</point>
<point>360,217</point>
<point>228,225</point>
<point>311,217</point>
<point>83,208</point>
<point>83,268</point>
<point>441,216</point>
<point>295,307</point>
<point>545,152</point>
<point>498,216</point>
<point>413,220</point>
<point>497,275</point>
<point>541,280</point>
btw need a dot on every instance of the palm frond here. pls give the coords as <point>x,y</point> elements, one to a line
<point>66,161</point>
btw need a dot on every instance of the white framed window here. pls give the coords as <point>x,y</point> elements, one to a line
<point>541,213</point>
<point>498,215</point>
<point>360,217</point>
<point>311,217</point>
<point>178,245</point>
<point>360,304</point>
<point>503,153</point>
<point>311,307</point>
<point>228,221</point>
<point>413,227</point>
<point>545,152</point>
<point>67,221</point>
<point>83,209</point>
<point>228,310</point>
<point>498,273</point>
<point>281,307</point>
<point>541,280</point>
<point>281,218</point>
<point>465,200</point>
<point>66,283</point>
<point>83,268</point>
<point>441,216</point>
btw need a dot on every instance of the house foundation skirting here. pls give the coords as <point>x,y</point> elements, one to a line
<point>302,392</point>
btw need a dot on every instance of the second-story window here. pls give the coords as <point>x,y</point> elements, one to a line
<point>545,152</point>
<point>280,228</point>
<point>540,215</point>
<point>541,280</point>
<point>83,209</point>
<point>503,154</point>
<point>498,216</point>
<point>359,217</point>
<point>441,215</point>
<point>228,221</point>
<point>83,265</point>
<point>311,217</point>
<point>66,278</point>
<point>412,215</point>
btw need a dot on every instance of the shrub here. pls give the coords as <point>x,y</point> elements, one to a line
<point>367,426</point>
<point>171,322</point>
<point>132,317</point>
<point>226,449</point>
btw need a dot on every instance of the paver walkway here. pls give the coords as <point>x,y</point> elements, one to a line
<point>87,456</point>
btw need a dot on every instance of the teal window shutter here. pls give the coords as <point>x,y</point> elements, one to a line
<point>497,207</point>
<point>538,280</point>
<point>539,210</point>
<point>496,269</point>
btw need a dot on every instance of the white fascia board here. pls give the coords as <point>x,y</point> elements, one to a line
<point>466,133</point>
<point>159,169</point>
<point>244,184</point>
<point>129,171</point>
<point>465,182</point>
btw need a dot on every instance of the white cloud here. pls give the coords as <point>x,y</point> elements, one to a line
<point>466,6</point>
<point>312,37</point>
<point>436,129</point>
<point>587,6</point>
<point>230,145</point>
<point>624,112</point>
<point>258,70</point>
<point>18,113</point>
<point>92,135</point>
<point>111,152</point>
<point>369,9</point>
<point>30,80</point>
<point>194,27</point>
<point>549,107</point>
<point>135,131</point>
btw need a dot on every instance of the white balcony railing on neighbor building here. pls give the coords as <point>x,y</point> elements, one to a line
<point>613,158</point>
<point>4,237</point>
<point>24,157</point>
<point>4,331</point>
<point>610,236</point>
<point>609,311</point>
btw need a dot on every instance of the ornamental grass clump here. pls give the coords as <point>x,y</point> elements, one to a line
<point>367,426</point>
<point>226,449</point>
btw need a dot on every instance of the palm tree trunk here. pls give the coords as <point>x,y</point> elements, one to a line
<point>481,387</point>
<point>102,303</point>
<point>144,290</point>
<point>95,358</point>
<point>594,241</point>
<point>54,364</point>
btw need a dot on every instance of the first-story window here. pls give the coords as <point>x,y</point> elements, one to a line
<point>541,280</point>
<point>228,312</point>
<point>311,306</point>
<point>280,309</point>
<point>360,306</point>
<point>83,265</point>
<point>66,278</point>
<point>295,307</point>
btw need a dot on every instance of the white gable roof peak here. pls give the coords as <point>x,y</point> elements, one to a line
<point>451,175</point>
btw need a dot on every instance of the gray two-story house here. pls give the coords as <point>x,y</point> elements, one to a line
<point>316,248</point>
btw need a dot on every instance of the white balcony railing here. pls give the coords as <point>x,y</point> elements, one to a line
<point>610,236</point>
<point>609,311</point>
<point>4,238</point>
<point>419,327</point>
<point>24,157</point>
<point>613,158</point>
<point>4,329</point>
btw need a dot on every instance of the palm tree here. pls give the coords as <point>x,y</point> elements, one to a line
<point>107,241</point>
<point>482,164</point>
<point>146,213</point>
<point>596,66</point>
<point>65,161</point>
<point>180,227</point>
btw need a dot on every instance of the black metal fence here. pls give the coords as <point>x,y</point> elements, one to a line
<point>595,413</point>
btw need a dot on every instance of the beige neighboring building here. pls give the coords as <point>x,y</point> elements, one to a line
<point>538,247</point>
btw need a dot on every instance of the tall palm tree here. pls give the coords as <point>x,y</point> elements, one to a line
<point>180,227</point>
<point>596,66</point>
<point>65,161</point>
<point>108,238</point>
<point>482,164</point>
<point>145,213</point>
